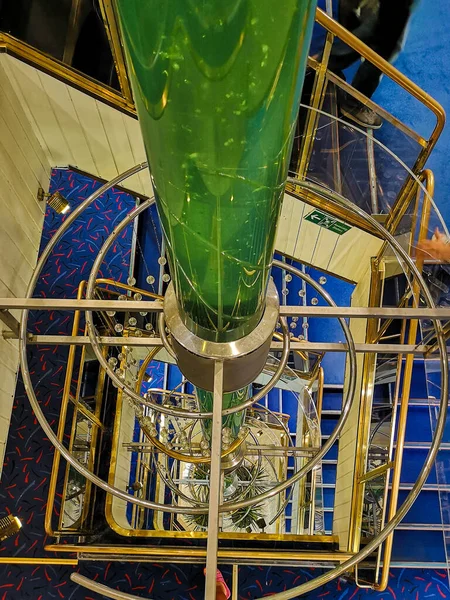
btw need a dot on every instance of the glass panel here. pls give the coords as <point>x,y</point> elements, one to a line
<point>354,162</point>
<point>71,31</point>
<point>75,489</point>
<point>278,436</point>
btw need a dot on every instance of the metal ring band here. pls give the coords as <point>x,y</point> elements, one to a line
<point>441,420</point>
<point>127,389</point>
<point>346,405</point>
<point>170,508</point>
<point>24,360</point>
<point>339,425</point>
<point>187,458</point>
<point>27,380</point>
<point>163,336</point>
<point>102,589</point>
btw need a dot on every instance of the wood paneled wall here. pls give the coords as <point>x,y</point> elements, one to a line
<point>24,167</point>
<point>76,129</point>
<point>347,256</point>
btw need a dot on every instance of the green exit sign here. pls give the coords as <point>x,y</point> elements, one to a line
<point>330,223</point>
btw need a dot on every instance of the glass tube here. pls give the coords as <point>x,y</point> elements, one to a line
<point>217,86</point>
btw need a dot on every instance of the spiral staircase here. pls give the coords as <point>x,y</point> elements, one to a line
<point>134,460</point>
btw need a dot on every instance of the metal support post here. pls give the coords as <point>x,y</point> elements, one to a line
<point>235,583</point>
<point>357,312</point>
<point>11,322</point>
<point>214,484</point>
<point>372,172</point>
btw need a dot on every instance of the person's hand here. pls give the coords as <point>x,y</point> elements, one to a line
<point>438,247</point>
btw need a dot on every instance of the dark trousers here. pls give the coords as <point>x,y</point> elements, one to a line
<point>383,30</point>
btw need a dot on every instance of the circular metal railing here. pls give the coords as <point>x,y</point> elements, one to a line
<point>327,196</point>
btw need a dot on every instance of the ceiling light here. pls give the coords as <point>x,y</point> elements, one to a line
<point>9,526</point>
<point>55,201</point>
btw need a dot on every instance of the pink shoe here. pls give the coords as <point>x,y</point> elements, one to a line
<point>221,583</point>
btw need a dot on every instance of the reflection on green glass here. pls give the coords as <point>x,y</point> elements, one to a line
<point>232,422</point>
<point>217,86</point>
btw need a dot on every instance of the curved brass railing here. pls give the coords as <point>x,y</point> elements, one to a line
<point>62,418</point>
<point>67,397</point>
<point>46,63</point>
<point>404,367</point>
<point>388,69</point>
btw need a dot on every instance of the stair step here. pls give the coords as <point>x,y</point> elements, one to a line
<point>428,487</point>
<point>328,497</point>
<point>398,564</point>
<point>424,546</point>
<point>423,527</point>
<point>328,425</point>
<point>422,401</point>
<point>413,460</point>
<point>332,454</point>
<point>328,521</point>
<point>333,363</point>
<point>425,510</point>
<point>418,426</point>
<point>445,446</point>
<point>329,473</point>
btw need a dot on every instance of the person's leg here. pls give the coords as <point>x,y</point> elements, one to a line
<point>222,590</point>
<point>341,57</point>
<point>365,81</point>
<point>387,39</point>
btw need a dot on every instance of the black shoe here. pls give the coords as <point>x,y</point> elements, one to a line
<point>362,115</point>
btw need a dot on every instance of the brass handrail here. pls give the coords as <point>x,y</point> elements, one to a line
<point>46,63</point>
<point>427,178</point>
<point>407,378</point>
<point>364,416</point>
<point>36,560</point>
<point>395,463</point>
<point>388,69</point>
<point>319,378</point>
<point>66,396</point>
<point>333,28</point>
<point>125,286</point>
<point>62,418</point>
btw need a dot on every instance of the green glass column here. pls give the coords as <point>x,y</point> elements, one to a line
<point>233,422</point>
<point>217,85</point>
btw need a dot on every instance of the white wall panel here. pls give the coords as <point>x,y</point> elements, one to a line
<point>24,167</point>
<point>75,129</point>
<point>347,256</point>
